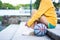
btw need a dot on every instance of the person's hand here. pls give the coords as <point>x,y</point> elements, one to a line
<point>26,25</point>
<point>32,26</point>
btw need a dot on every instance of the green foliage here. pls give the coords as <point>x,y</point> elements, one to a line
<point>0,4</point>
<point>59,5</point>
<point>37,3</point>
<point>7,6</point>
<point>18,6</point>
<point>56,4</point>
<point>26,6</point>
<point>1,18</point>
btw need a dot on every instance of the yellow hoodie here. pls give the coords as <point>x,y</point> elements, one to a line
<point>47,8</point>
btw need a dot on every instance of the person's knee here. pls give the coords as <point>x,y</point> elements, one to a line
<point>43,20</point>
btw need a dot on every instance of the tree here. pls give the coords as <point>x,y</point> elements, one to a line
<point>56,4</point>
<point>37,3</point>
<point>18,6</point>
<point>26,6</point>
<point>0,4</point>
<point>7,6</point>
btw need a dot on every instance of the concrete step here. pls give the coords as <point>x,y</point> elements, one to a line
<point>54,33</point>
<point>8,33</point>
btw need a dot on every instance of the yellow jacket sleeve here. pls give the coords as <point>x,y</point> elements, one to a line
<point>44,6</point>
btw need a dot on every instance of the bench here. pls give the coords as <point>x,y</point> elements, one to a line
<point>19,36</point>
<point>15,31</point>
<point>8,32</point>
<point>54,33</point>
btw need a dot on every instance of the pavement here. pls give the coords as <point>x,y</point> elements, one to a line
<point>16,31</point>
<point>21,32</point>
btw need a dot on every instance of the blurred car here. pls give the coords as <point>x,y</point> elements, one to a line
<point>58,12</point>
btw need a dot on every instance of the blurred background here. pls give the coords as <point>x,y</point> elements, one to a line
<point>15,11</point>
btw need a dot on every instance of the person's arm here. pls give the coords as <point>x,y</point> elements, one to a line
<point>44,6</point>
